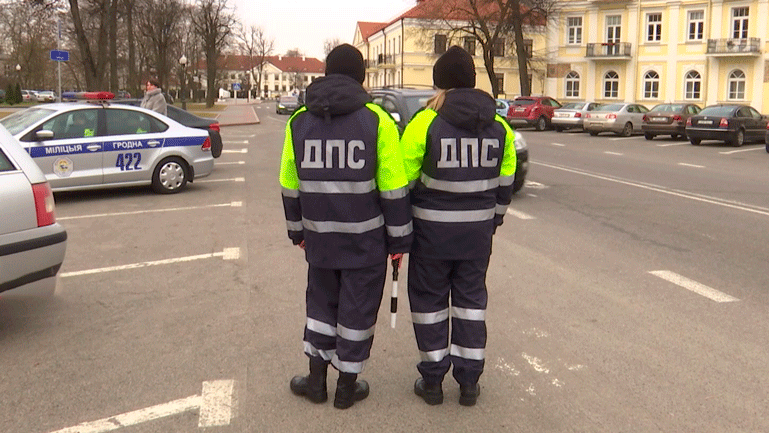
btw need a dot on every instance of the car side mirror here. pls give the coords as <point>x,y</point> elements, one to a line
<point>396,117</point>
<point>44,134</point>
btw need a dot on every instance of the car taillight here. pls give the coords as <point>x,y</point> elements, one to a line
<point>44,204</point>
<point>689,122</point>
<point>588,115</point>
<point>724,123</point>
<point>214,126</point>
<point>206,144</point>
<point>677,118</point>
<point>611,116</point>
<point>578,114</point>
<point>645,119</point>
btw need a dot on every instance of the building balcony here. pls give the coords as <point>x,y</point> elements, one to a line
<point>609,51</point>
<point>734,47</point>
<point>386,61</point>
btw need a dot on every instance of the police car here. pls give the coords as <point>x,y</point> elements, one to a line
<point>86,145</point>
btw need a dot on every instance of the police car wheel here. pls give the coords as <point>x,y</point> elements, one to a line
<point>170,176</point>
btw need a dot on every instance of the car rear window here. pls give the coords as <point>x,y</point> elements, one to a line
<point>573,106</point>
<point>5,163</point>
<point>524,102</point>
<point>610,107</point>
<point>668,108</point>
<point>289,99</point>
<point>717,111</point>
<point>415,103</point>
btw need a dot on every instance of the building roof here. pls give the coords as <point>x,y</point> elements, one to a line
<point>229,62</point>
<point>368,28</point>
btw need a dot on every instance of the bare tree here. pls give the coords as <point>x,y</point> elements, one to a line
<point>213,22</point>
<point>27,38</point>
<point>159,22</point>
<point>256,46</point>
<point>294,52</point>
<point>330,44</point>
<point>95,29</point>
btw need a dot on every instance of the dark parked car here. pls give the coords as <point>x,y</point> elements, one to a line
<point>188,119</point>
<point>731,123</point>
<point>286,104</point>
<point>402,104</point>
<point>536,111</point>
<point>666,119</point>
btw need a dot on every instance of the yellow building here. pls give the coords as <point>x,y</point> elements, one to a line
<point>402,52</point>
<point>706,52</point>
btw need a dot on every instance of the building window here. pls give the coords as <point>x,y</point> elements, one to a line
<point>470,45</point>
<point>692,85</point>
<point>611,85</point>
<point>740,23</point>
<point>528,46</point>
<point>696,25</point>
<point>440,44</point>
<point>499,47</point>
<point>572,85</point>
<point>737,85</point>
<point>574,30</point>
<point>277,87</point>
<point>500,83</point>
<point>651,85</point>
<point>654,27</point>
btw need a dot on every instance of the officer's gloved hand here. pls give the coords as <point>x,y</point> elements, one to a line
<point>398,257</point>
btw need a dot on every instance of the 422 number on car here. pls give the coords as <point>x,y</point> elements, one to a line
<point>128,161</point>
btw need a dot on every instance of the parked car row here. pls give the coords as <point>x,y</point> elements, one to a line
<point>734,124</point>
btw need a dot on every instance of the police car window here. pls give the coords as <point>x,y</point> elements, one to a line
<point>73,124</point>
<point>5,163</point>
<point>130,122</point>
<point>389,105</point>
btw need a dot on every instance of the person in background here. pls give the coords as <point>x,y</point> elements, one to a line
<point>460,156</point>
<point>153,97</point>
<point>346,204</point>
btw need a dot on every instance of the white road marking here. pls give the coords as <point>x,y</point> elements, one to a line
<point>558,144</point>
<point>99,215</point>
<point>656,188</point>
<point>226,254</point>
<point>236,135</point>
<point>214,404</point>
<point>622,138</point>
<point>235,142</point>
<point>277,120</point>
<point>234,179</point>
<point>520,215</point>
<point>742,150</point>
<point>613,153</point>
<point>231,163</point>
<point>535,363</point>
<point>235,151</point>
<point>531,195</point>
<point>694,286</point>
<point>534,185</point>
<point>672,144</point>
<point>691,165</point>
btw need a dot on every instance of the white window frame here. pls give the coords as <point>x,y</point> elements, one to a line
<point>573,30</point>
<point>695,30</point>
<point>654,28</point>
<point>692,86</point>
<point>613,81</point>
<point>738,19</point>
<point>735,90</point>
<point>651,85</point>
<point>572,84</point>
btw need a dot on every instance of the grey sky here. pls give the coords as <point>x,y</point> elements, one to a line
<point>306,24</point>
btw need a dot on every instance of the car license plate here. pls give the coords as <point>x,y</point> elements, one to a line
<point>705,122</point>
<point>659,119</point>
<point>520,110</point>
<point>561,114</point>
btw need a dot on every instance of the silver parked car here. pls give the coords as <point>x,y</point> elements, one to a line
<point>32,243</point>
<point>623,119</point>
<point>572,115</point>
<point>86,146</point>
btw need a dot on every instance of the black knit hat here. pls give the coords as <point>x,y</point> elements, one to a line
<point>346,60</point>
<point>455,68</point>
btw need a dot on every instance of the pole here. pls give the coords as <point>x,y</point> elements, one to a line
<point>394,296</point>
<point>58,44</point>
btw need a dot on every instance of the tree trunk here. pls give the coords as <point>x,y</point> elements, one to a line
<point>133,80</point>
<point>89,67</point>
<point>520,49</point>
<point>488,62</point>
<point>113,79</point>
<point>212,91</point>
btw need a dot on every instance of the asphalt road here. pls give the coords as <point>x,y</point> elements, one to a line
<point>628,288</point>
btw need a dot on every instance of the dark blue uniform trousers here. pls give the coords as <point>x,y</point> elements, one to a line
<point>430,284</point>
<point>342,307</point>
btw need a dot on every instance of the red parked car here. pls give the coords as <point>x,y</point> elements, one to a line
<point>536,111</point>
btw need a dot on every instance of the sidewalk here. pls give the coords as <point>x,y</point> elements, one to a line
<point>238,114</point>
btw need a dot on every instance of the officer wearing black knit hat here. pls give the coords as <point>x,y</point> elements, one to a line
<point>345,198</point>
<point>460,155</point>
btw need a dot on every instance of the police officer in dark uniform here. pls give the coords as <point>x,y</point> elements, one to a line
<point>345,197</point>
<point>460,158</point>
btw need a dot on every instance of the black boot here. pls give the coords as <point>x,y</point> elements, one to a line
<point>468,394</point>
<point>313,386</point>
<point>432,394</point>
<point>349,390</point>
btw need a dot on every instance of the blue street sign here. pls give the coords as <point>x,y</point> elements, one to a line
<point>235,86</point>
<point>59,56</point>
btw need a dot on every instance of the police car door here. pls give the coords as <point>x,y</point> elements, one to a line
<point>73,157</point>
<point>133,143</point>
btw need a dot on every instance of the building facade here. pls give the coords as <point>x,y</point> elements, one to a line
<point>701,51</point>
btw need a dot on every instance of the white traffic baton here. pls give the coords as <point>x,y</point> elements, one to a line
<point>394,296</point>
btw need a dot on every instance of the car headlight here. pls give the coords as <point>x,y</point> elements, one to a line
<point>280,106</point>
<point>520,142</point>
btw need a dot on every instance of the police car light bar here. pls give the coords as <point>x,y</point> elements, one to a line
<point>93,96</point>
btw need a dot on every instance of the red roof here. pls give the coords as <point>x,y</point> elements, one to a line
<point>367,29</point>
<point>230,62</point>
